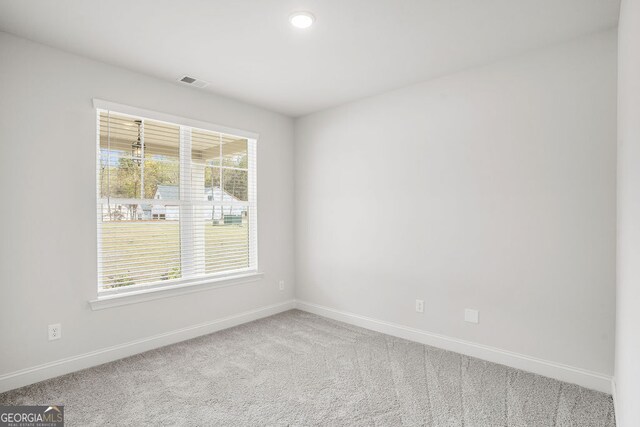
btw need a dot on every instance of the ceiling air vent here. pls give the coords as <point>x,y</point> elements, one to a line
<point>192,81</point>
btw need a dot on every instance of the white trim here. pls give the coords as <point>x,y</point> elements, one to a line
<point>128,295</point>
<point>615,400</point>
<point>252,187</point>
<point>99,213</point>
<point>559,371</point>
<point>59,367</point>
<point>187,219</point>
<point>101,104</point>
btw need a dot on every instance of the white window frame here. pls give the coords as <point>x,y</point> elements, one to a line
<point>149,291</point>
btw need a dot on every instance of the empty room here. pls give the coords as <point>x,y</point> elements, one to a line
<point>320,213</point>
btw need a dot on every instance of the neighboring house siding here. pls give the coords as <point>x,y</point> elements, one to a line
<point>172,213</point>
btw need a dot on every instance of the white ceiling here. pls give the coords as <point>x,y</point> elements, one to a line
<point>248,50</point>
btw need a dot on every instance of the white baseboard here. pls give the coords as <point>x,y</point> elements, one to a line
<point>56,368</point>
<point>582,377</point>
<point>615,399</point>
<point>570,374</point>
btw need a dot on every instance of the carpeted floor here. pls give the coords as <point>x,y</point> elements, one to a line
<point>300,369</point>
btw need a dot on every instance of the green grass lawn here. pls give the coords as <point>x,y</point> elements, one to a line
<point>148,251</point>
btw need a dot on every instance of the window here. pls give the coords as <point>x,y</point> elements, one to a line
<point>176,203</point>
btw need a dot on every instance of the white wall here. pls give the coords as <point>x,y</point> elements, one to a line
<point>492,189</point>
<point>48,257</point>
<point>627,372</point>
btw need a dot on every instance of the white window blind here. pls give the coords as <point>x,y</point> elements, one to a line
<point>175,203</point>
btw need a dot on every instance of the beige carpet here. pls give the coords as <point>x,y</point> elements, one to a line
<point>299,369</point>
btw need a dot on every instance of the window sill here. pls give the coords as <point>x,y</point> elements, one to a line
<point>137,296</point>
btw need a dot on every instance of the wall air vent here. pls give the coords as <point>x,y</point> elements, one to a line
<point>192,81</point>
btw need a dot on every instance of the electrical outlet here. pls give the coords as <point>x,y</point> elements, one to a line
<point>471,316</point>
<point>281,285</point>
<point>55,332</point>
<point>420,306</point>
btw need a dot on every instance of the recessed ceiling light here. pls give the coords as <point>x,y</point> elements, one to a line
<point>301,19</point>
